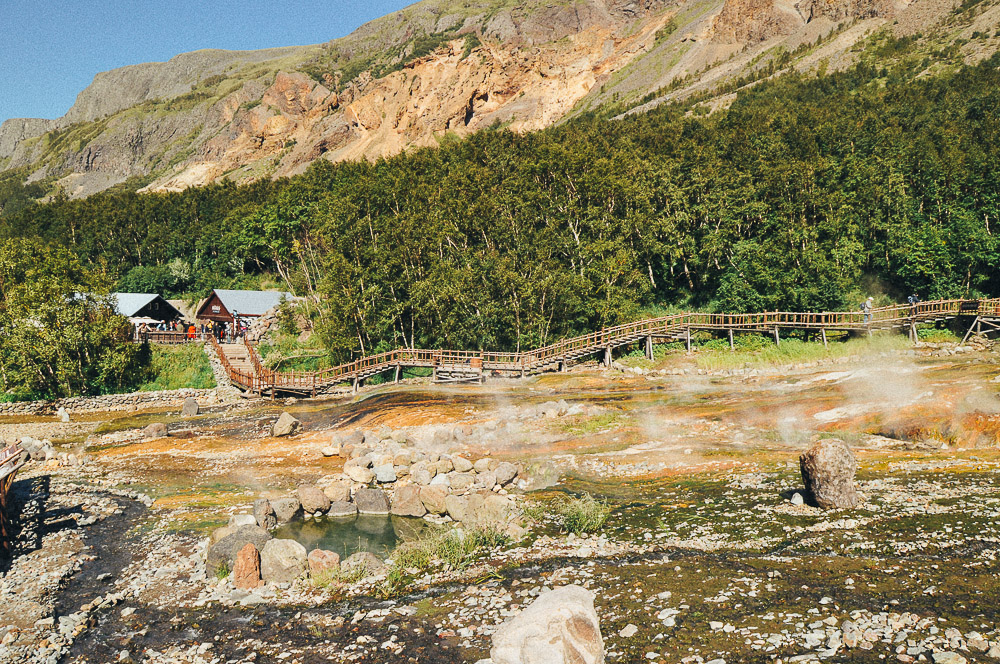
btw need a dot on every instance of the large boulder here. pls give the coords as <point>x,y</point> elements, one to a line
<point>560,627</point>
<point>286,509</point>
<point>460,481</point>
<point>285,426</point>
<point>433,498</point>
<point>385,473</point>
<point>363,562</point>
<point>406,501</point>
<point>246,572</point>
<point>190,407</point>
<point>283,561</point>
<point>155,430</point>
<point>505,472</point>
<point>828,470</point>
<point>340,490</point>
<point>225,550</point>
<point>457,507</point>
<point>342,508</point>
<point>371,501</point>
<point>313,499</point>
<point>358,470</point>
<point>462,465</point>
<point>238,520</point>
<point>264,513</point>
<point>323,562</point>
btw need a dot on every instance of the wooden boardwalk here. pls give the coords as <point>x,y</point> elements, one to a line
<point>247,372</point>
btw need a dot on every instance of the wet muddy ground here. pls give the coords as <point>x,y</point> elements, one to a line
<point>704,556</point>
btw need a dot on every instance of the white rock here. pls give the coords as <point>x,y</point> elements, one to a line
<point>560,626</point>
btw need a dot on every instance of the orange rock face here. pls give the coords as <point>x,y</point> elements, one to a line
<point>246,574</point>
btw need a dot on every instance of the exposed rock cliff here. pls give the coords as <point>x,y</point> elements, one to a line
<point>409,78</point>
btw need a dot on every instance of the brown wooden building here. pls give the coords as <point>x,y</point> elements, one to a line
<point>224,305</point>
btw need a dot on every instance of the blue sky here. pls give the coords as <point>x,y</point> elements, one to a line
<point>51,49</point>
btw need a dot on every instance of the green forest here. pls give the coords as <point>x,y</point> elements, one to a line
<point>808,193</point>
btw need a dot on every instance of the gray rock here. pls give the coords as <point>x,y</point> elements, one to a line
<point>341,508</point>
<point>482,465</point>
<point>283,561</point>
<point>362,560</point>
<point>385,473</point>
<point>371,501</point>
<point>155,430</point>
<point>264,513</point>
<point>238,520</point>
<point>462,465</point>
<point>441,480</point>
<point>460,481</point>
<point>224,551</point>
<point>285,426</point>
<point>190,407</point>
<point>286,509</point>
<point>406,501</point>
<point>420,476</point>
<point>486,480</point>
<point>313,499</point>
<point>63,415</point>
<point>828,470</point>
<point>560,626</point>
<point>797,499</point>
<point>505,472</point>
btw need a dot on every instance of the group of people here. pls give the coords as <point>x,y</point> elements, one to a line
<point>224,332</point>
<point>868,305</point>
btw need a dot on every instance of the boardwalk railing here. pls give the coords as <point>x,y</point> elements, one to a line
<point>10,463</point>
<point>673,326</point>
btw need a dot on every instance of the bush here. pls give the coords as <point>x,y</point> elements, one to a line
<point>177,367</point>
<point>582,515</point>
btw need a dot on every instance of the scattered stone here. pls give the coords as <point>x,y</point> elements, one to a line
<point>285,426</point>
<point>286,509</point>
<point>322,562</point>
<point>190,407</point>
<point>561,625</point>
<point>330,451</point>
<point>828,470</point>
<point>462,465</point>
<point>246,572</point>
<point>461,481</point>
<point>313,499</point>
<point>628,631</point>
<point>371,501</point>
<point>154,431</point>
<point>282,561</point>
<point>63,415</point>
<point>948,658</point>
<point>797,499</point>
<point>406,501</point>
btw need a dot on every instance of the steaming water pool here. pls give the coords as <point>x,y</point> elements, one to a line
<point>376,534</point>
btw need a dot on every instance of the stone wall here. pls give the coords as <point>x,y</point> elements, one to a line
<point>105,402</point>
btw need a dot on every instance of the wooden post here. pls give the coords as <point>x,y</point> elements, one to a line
<point>649,348</point>
<point>398,371</point>
<point>823,334</point>
<point>607,356</point>
<point>688,339</point>
<point>354,385</point>
<point>777,338</point>
<point>562,366</point>
<point>913,331</point>
<point>732,344</point>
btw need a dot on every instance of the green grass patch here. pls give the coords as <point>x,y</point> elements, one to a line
<point>934,335</point>
<point>757,351</point>
<point>176,367</point>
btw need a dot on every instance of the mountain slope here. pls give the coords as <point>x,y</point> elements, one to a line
<point>440,67</point>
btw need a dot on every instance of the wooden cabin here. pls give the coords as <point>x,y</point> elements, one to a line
<point>145,306</point>
<point>224,305</point>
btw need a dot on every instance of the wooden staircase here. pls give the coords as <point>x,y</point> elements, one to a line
<point>238,356</point>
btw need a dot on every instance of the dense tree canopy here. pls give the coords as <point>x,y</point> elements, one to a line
<point>805,193</point>
<point>60,335</point>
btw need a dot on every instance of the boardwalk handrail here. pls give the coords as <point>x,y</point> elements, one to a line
<point>669,326</point>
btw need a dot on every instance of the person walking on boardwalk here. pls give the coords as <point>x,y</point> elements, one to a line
<point>866,308</point>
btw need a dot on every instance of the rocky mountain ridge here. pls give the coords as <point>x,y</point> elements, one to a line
<point>436,68</point>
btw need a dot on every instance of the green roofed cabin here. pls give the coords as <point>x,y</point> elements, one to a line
<point>222,305</point>
<point>145,306</point>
